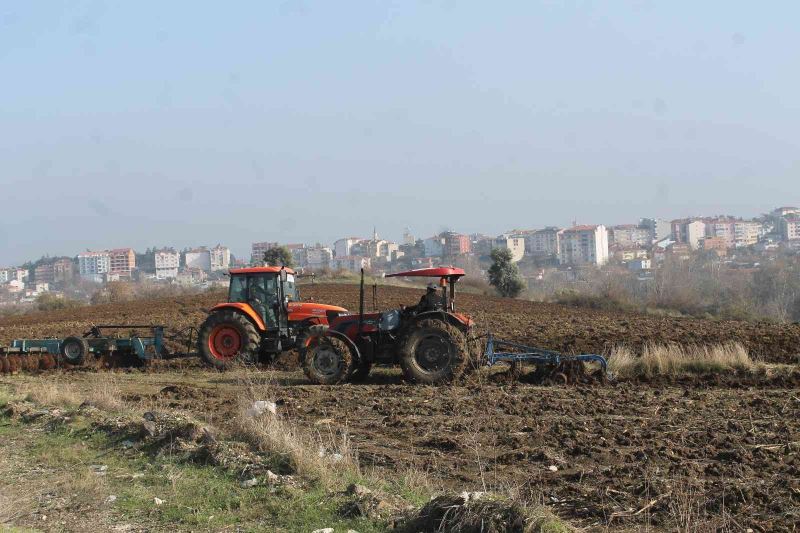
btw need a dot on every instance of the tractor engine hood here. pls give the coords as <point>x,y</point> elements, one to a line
<point>299,311</point>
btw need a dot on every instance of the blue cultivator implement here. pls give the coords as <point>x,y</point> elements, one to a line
<point>76,350</point>
<point>550,367</point>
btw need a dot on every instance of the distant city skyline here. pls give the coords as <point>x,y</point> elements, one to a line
<point>141,124</point>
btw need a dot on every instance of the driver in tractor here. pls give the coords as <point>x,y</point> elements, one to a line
<point>429,301</point>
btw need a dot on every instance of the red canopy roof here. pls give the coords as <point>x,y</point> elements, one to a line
<point>436,272</point>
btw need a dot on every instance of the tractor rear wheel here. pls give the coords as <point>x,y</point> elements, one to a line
<point>328,360</point>
<point>227,337</point>
<point>433,352</point>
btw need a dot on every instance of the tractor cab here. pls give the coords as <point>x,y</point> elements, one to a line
<point>263,293</point>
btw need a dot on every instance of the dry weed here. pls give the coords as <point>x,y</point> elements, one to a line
<point>101,390</point>
<point>674,360</point>
<point>320,453</point>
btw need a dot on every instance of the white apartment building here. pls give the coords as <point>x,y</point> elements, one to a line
<point>93,266</point>
<point>167,263</point>
<point>258,249</point>
<point>199,258</point>
<point>220,258</point>
<point>344,247</point>
<point>746,233</point>
<point>514,243</point>
<point>584,245</point>
<point>543,242</point>
<point>689,231</point>
<point>8,275</point>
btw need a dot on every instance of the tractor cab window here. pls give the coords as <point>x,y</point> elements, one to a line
<point>290,289</point>
<point>263,297</point>
<point>238,289</point>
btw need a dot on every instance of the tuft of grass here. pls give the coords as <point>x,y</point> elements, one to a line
<point>673,360</point>
<point>323,455</point>
<point>103,392</point>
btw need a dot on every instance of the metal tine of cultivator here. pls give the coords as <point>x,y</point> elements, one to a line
<point>531,354</point>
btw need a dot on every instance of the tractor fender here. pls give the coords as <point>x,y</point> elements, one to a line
<point>454,320</point>
<point>246,310</point>
<point>344,338</point>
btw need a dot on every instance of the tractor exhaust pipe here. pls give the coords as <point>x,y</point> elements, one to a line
<point>361,305</point>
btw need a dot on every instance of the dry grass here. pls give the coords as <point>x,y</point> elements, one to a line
<point>319,452</point>
<point>674,360</point>
<point>101,390</point>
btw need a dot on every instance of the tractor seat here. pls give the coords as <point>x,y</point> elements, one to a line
<point>389,320</point>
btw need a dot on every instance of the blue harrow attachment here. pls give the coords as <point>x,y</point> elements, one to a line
<point>550,367</point>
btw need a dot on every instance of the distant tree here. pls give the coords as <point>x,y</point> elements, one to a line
<point>504,275</point>
<point>50,302</point>
<point>278,256</point>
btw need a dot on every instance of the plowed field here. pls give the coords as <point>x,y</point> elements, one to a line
<point>695,455</point>
<point>549,326</point>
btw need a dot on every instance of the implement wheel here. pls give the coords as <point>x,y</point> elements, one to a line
<point>227,337</point>
<point>433,352</point>
<point>327,360</point>
<point>74,350</point>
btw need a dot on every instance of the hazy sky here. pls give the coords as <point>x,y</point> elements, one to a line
<point>189,123</point>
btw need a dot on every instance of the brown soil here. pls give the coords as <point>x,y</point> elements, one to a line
<point>708,454</point>
<point>545,325</point>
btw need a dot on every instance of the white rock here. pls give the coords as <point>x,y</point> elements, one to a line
<point>272,477</point>
<point>552,468</point>
<point>352,531</point>
<point>259,407</point>
<point>158,501</point>
<point>127,444</point>
<point>323,530</point>
<point>249,483</point>
<point>472,496</point>
<point>111,499</point>
<point>100,470</point>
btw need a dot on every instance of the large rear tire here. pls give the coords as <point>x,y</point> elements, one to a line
<point>433,352</point>
<point>228,337</point>
<point>328,360</point>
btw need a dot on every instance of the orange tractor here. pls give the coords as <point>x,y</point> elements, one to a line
<point>430,341</point>
<point>263,317</point>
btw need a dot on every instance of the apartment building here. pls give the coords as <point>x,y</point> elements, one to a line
<point>723,229</point>
<point>515,243</point>
<point>44,273</point>
<point>167,263</point>
<point>790,228</point>
<point>220,258</point>
<point>17,275</point>
<point>746,233</point>
<point>584,245</point>
<point>456,244</point>
<point>319,257</point>
<point>258,249</point>
<point>544,242</point>
<point>688,231</point>
<point>629,236</point>
<point>658,229</point>
<point>198,258</point>
<point>344,247</point>
<point>93,266</point>
<point>122,261</point>
<point>434,246</point>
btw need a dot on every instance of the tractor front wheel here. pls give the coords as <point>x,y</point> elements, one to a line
<point>433,352</point>
<point>227,337</point>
